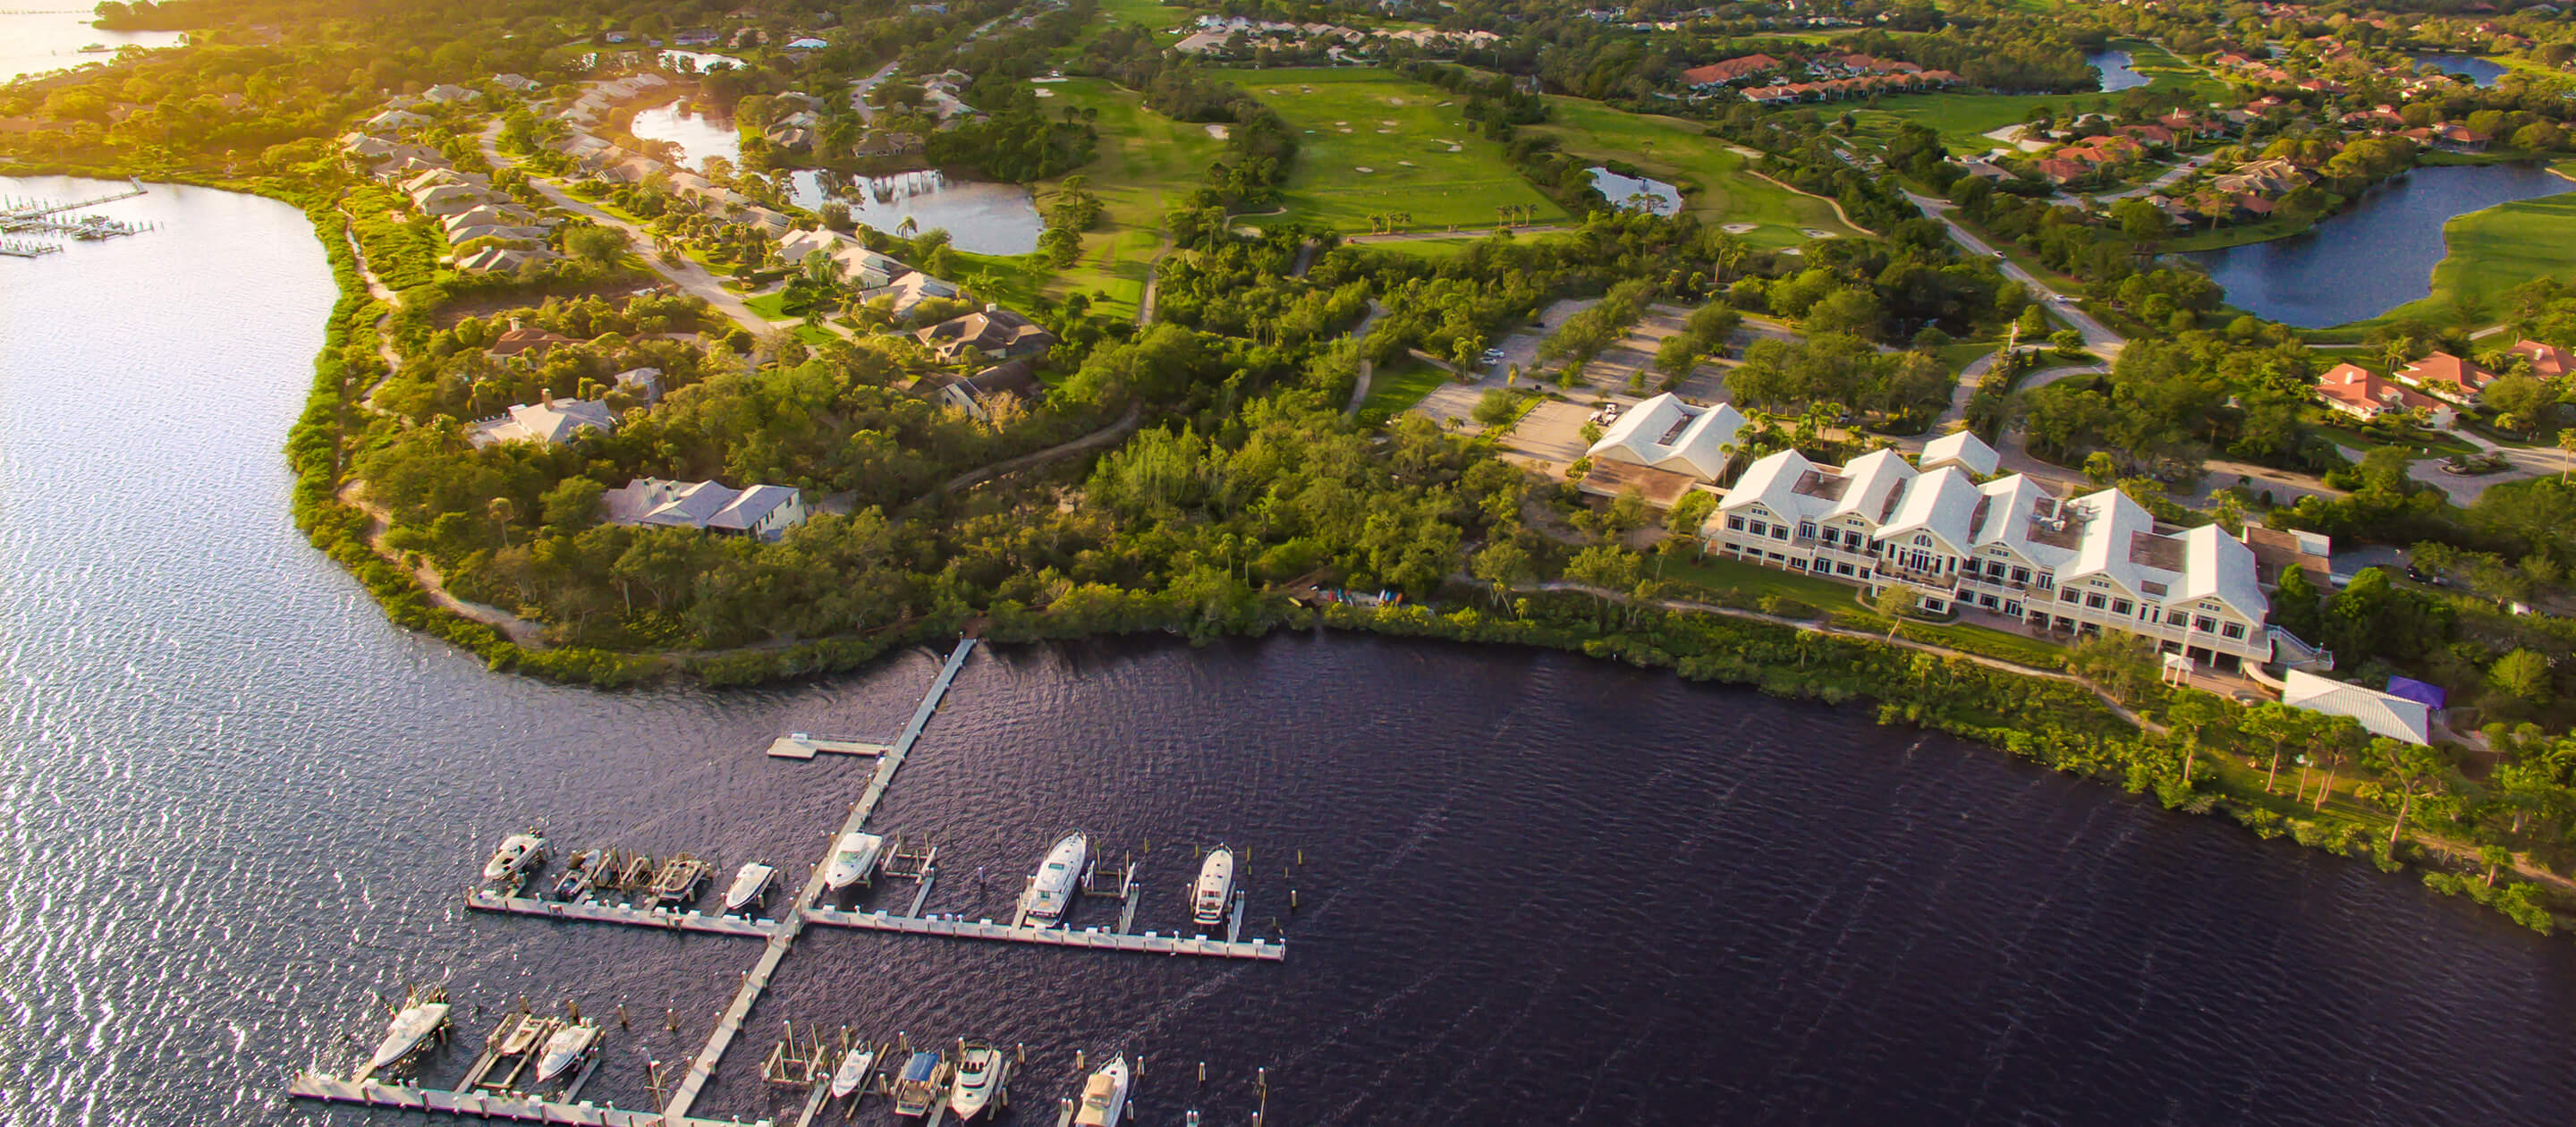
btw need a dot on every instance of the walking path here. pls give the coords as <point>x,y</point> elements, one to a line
<point>1368,371</point>
<point>526,634</point>
<point>2097,337</point>
<point>1125,425</point>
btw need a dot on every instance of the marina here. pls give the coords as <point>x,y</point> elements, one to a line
<point>662,918</point>
<point>1089,939</point>
<point>44,219</point>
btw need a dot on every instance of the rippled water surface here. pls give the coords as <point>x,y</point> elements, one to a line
<point>49,36</point>
<point>1532,888</point>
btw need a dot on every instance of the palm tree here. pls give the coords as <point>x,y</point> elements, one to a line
<point>2567,446</point>
<point>2398,351</point>
<point>502,510</point>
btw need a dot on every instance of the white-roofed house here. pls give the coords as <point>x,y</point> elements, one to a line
<point>645,384</point>
<point>549,421</point>
<point>762,512</point>
<point>502,260</point>
<point>449,199</point>
<point>450,94</point>
<point>2380,714</point>
<point>1962,449</point>
<point>394,121</point>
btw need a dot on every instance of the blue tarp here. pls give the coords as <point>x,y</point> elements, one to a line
<point>2430,696</point>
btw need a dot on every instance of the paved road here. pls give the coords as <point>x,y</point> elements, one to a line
<point>2101,340</point>
<point>686,274</point>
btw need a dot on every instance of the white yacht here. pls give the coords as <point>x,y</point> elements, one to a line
<point>1052,892</point>
<point>853,1071</point>
<point>518,853</point>
<point>566,1048</point>
<point>1104,1096</point>
<point>979,1075</point>
<point>1215,887</point>
<point>750,886</point>
<point>410,1029</point>
<point>854,859</point>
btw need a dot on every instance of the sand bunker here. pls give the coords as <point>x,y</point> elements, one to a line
<point>1740,228</point>
<point>1043,92</point>
<point>1386,121</point>
<point>1407,164</point>
<point>1361,168</point>
<point>1386,131</point>
<point>1221,132</point>
<point>1813,233</point>
<point>1454,148</point>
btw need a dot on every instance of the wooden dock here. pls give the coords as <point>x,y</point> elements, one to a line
<point>589,912</point>
<point>1088,939</point>
<point>804,745</point>
<point>729,1023</point>
<point>524,1109</point>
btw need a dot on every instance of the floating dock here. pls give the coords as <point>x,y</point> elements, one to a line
<point>524,1109</point>
<point>661,918</point>
<point>804,745</point>
<point>1086,939</point>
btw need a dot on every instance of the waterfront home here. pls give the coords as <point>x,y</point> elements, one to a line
<point>2008,547</point>
<point>645,384</point>
<point>547,422</point>
<point>502,260</point>
<point>760,512</point>
<point>2363,394</point>
<point>1962,449</point>
<point>529,342</point>
<point>2380,714</point>
<point>515,82</point>
<point>995,333</point>
<point>491,215</point>
<point>1016,379</point>
<point>1669,435</point>
<point>908,290</point>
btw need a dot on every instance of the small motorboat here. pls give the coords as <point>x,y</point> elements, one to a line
<point>1104,1096</point>
<point>979,1075</point>
<point>917,1087</point>
<point>853,1071</point>
<point>854,860</point>
<point>1215,887</point>
<point>522,1038</point>
<point>567,1048</point>
<point>750,887</point>
<point>518,853</point>
<point>94,48</point>
<point>411,1028</point>
<point>579,875</point>
<point>1051,891</point>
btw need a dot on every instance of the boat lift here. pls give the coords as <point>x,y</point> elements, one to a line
<point>916,863</point>
<point>1117,881</point>
<point>680,880</point>
<point>798,1062</point>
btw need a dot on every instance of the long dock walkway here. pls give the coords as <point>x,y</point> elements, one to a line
<point>784,938</point>
<point>1050,936</point>
<point>661,918</point>
<point>525,1109</point>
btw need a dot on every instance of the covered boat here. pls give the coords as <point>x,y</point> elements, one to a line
<point>565,1049</point>
<point>1104,1096</point>
<point>1052,891</point>
<point>916,1087</point>
<point>979,1075</point>
<point>854,860</point>
<point>411,1028</point>
<point>1216,885</point>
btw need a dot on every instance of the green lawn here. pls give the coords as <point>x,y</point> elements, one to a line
<point>769,305</point>
<point>2491,252</point>
<point>1144,163</point>
<point>1341,116</point>
<point>1715,184</point>
<point>1962,119</point>
<point>1715,573</point>
<point>1152,15</point>
<point>1394,389</point>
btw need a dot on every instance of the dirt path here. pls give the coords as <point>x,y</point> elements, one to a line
<point>1368,371</point>
<point>1125,425</point>
<point>528,635</point>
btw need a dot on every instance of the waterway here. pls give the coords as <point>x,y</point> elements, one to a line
<point>2483,72</point>
<point>2373,257</point>
<point>36,41</point>
<point>1637,193</point>
<point>240,808</point>
<point>2116,75</point>
<point>979,216</point>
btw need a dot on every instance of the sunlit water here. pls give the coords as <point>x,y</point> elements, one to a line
<point>1532,888</point>
<point>33,41</point>
<point>2116,75</point>
<point>979,216</point>
<point>699,135</point>
<point>1637,193</point>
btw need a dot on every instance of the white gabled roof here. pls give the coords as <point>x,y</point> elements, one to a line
<point>2380,714</point>
<point>1943,503</point>
<point>2219,566</point>
<point>1667,434</point>
<point>1877,478</point>
<point>1962,449</point>
<point>1773,481</point>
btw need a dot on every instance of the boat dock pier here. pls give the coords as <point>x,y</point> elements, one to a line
<point>803,745</point>
<point>27,248</point>
<point>1092,939</point>
<point>780,941</point>
<point>662,918</point>
<point>524,1109</point>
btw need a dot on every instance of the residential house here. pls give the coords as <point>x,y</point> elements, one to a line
<point>2547,361</point>
<point>908,290</point>
<point>994,333</point>
<point>1728,71</point>
<point>490,215</point>
<point>2446,376</point>
<point>517,83</point>
<point>2060,171</point>
<point>2007,547</point>
<point>502,260</point>
<point>2380,714</point>
<point>761,512</point>
<point>2460,139</point>
<point>547,422</point>
<point>396,121</point>
<point>2363,394</point>
<point>645,384</point>
<point>1673,436</point>
<point>450,94</point>
<point>1016,379</point>
<point>526,342</point>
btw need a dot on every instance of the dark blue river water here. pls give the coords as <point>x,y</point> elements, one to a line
<point>1534,888</point>
<point>2374,256</point>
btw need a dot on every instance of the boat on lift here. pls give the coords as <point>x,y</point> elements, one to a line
<point>1215,887</point>
<point>1104,1096</point>
<point>916,1088</point>
<point>750,886</point>
<point>567,1048</point>
<point>853,1071</point>
<point>854,860</point>
<point>580,874</point>
<point>518,853</point>
<point>420,1019</point>
<point>1052,892</point>
<point>979,1075</point>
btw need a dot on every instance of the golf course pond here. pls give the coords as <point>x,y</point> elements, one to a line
<point>1637,193</point>
<point>2375,256</point>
